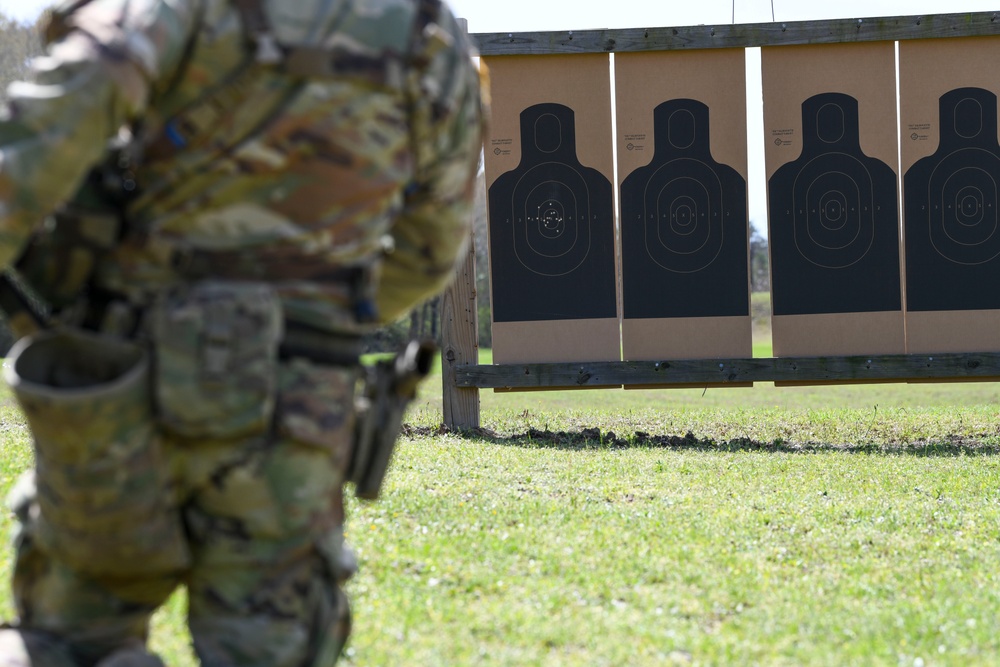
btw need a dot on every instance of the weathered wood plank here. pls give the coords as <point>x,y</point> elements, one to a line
<point>460,338</point>
<point>700,372</point>
<point>460,345</point>
<point>739,35</point>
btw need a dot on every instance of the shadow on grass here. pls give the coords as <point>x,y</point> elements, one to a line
<point>594,438</point>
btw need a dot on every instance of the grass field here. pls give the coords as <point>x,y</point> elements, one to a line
<point>774,526</point>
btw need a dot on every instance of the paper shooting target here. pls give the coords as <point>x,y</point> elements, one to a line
<point>951,202</point>
<point>551,228</point>
<point>684,224</point>
<point>833,219</point>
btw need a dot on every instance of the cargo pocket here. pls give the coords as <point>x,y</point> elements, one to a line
<point>216,350</point>
<point>103,486</point>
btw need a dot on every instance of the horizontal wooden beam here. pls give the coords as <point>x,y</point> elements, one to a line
<point>702,372</point>
<point>739,35</point>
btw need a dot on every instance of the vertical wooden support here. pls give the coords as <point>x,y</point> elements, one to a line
<point>460,344</point>
<point>460,337</point>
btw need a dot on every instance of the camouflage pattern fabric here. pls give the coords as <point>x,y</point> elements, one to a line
<point>99,466</point>
<point>216,347</point>
<point>251,524</point>
<point>250,176</point>
<point>292,180</point>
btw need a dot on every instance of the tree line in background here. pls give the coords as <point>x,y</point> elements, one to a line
<point>19,43</point>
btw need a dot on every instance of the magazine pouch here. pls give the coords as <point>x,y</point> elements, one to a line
<point>216,358</point>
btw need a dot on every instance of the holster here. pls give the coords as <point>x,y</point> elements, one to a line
<point>389,387</point>
<point>103,490</point>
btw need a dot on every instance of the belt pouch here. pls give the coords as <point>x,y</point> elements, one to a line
<point>105,505</point>
<point>216,351</point>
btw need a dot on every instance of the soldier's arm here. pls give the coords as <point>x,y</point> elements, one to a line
<point>447,139</point>
<point>94,79</point>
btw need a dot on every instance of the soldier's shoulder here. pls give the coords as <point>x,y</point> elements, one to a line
<point>373,26</point>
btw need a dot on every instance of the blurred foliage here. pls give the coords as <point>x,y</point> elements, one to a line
<point>19,43</point>
<point>760,273</point>
<point>481,237</point>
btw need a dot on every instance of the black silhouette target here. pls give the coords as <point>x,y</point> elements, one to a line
<point>684,224</point>
<point>952,207</point>
<point>833,212</point>
<point>834,223</point>
<point>553,223</point>
<point>551,228</point>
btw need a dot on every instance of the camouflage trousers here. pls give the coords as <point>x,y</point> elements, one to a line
<point>121,510</point>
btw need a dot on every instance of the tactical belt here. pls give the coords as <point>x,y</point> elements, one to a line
<point>321,347</point>
<point>198,264</point>
<point>111,313</point>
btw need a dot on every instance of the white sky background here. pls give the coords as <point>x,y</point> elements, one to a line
<point>23,10</point>
<point>536,15</point>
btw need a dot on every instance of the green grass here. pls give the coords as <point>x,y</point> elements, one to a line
<point>531,553</point>
<point>775,526</point>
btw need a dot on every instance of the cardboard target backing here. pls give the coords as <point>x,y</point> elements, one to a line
<point>549,174</point>
<point>682,160</point>
<point>951,193</point>
<point>833,215</point>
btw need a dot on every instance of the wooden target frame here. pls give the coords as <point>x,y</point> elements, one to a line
<point>463,378</point>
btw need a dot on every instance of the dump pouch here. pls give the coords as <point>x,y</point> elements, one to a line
<point>216,358</point>
<point>103,488</point>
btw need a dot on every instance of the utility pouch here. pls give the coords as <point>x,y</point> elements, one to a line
<point>103,486</point>
<point>216,358</point>
<point>389,388</point>
<point>59,260</point>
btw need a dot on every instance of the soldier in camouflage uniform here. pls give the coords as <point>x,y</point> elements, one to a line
<point>217,197</point>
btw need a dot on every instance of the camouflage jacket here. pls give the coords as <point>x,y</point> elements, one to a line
<point>259,173</point>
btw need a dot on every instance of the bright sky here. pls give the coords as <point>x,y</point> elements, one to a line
<point>24,10</point>
<point>533,15</point>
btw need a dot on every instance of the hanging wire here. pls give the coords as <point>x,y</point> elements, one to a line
<point>734,12</point>
<point>772,11</point>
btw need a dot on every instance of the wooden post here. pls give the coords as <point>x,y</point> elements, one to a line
<point>460,337</point>
<point>460,344</point>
